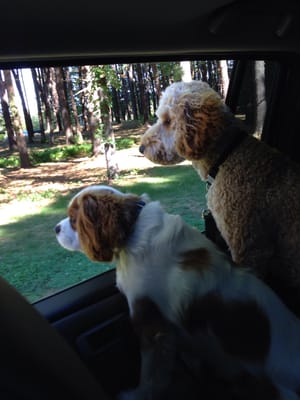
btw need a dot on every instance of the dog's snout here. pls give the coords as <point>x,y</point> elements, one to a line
<point>57,229</point>
<point>142,149</point>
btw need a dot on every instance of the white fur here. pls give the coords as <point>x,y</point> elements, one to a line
<point>67,237</point>
<point>150,266</point>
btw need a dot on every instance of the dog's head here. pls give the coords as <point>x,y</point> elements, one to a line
<point>100,220</point>
<point>191,115</point>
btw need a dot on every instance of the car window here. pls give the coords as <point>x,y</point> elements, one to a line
<point>65,127</point>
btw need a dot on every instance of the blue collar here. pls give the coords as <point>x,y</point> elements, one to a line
<point>140,204</point>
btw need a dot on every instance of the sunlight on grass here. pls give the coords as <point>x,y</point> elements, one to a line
<point>146,179</point>
<point>23,207</point>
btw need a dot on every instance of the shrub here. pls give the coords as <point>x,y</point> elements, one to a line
<point>60,153</point>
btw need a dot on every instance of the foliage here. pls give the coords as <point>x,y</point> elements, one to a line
<point>61,153</point>
<point>124,143</point>
<point>9,162</point>
<point>104,77</point>
<point>172,70</point>
<point>2,127</point>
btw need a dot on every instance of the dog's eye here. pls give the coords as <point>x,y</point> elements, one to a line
<point>73,221</point>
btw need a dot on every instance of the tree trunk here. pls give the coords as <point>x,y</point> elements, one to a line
<point>143,97</point>
<point>16,122</point>
<point>54,94</point>
<point>12,142</point>
<point>27,117</point>
<point>223,78</point>
<point>83,98</point>
<point>70,93</point>
<point>39,95</point>
<point>63,105</point>
<point>186,68</point>
<point>157,88</point>
<point>132,92</point>
<point>261,103</point>
<point>204,72</point>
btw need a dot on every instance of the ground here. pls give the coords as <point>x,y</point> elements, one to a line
<point>62,176</point>
<point>17,184</point>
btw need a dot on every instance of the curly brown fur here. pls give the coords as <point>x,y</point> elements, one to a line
<point>255,197</point>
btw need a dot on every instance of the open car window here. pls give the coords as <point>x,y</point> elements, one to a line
<point>66,127</point>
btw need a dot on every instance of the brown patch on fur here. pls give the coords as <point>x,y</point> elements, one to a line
<point>242,327</point>
<point>199,120</point>
<point>103,222</point>
<point>195,259</point>
<point>73,213</point>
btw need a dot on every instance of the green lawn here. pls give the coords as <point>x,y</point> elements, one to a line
<point>32,260</point>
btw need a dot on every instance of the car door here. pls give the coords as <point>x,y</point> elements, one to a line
<point>93,318</point>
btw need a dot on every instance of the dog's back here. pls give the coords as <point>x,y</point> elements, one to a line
<point>255,200</point>
<point>194,286</point>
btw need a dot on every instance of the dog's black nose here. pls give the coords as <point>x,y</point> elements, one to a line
<point>57,229</point>
<point>142,149</point>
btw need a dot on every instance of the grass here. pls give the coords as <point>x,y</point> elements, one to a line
<point>32,260</point>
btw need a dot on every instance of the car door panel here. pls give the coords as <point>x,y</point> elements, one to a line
<point>93,318</point>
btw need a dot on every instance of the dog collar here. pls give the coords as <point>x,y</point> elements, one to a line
<point>237,136</point>
<point>140,204</point>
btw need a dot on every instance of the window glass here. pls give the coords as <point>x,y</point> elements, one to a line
<point>54,122</point>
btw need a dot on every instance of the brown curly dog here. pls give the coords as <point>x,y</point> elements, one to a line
<point>254,193</point>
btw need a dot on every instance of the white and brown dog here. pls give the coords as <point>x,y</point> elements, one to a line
<point>254,190</point>
<point>174,266</point>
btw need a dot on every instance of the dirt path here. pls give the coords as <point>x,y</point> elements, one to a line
<point>63,176</point>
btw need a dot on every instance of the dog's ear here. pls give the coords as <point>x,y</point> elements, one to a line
<point>200,117</point>
<point>104,223</point>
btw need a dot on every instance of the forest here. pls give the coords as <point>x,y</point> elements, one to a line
<point>85,101</point>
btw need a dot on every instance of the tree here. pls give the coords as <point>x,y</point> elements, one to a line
<point>186,71</point>
<point>39,94</point>
<point>12,142</point>
<point>142,94</point>
<point>223,77</point>
<point>260,101</point>
<point>16,121</point>
<point>70,94</point>
<point>83,96</point>
<point>63,105</point>
<point>132,93</point>
<point>27,116</point>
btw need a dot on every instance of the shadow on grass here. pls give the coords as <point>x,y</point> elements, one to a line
<point>33,261</point>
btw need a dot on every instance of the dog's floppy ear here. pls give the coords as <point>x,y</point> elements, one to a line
<point>200,117</point>
<point>104,223</point>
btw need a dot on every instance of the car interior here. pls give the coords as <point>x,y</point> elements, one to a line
<point>79,343</point>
